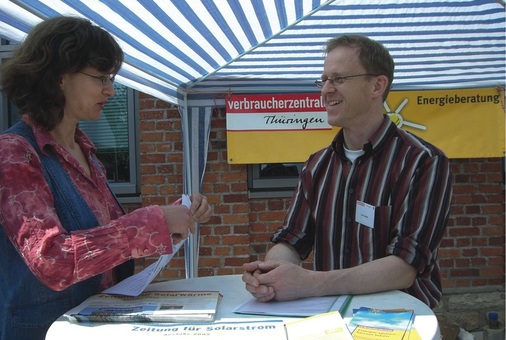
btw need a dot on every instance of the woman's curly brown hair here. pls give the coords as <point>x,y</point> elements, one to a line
<point>59,45</point>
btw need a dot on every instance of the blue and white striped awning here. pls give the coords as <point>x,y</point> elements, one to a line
<point>177,49</point>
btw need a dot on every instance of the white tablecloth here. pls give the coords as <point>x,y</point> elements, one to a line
<point>234,293</point>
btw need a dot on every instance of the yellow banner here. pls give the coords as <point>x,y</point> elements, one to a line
<point>464,123</point>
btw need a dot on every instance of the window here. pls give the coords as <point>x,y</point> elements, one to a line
<point>273,180</point>
<point>115,135</point>
<point>9,113</point>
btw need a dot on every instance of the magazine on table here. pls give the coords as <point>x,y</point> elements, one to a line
<point>157,306</point>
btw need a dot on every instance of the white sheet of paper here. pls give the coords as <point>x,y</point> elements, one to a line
<point>135,284</point>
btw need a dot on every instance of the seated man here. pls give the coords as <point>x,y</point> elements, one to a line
<point>372,206</point>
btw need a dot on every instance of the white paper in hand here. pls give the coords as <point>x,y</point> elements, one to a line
<point>135,284</point>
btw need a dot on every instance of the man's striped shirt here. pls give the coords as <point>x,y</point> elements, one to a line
<point>405,179</point>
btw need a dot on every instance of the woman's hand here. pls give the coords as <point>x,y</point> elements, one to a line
<point>179,221</point>
<point>200,209</point>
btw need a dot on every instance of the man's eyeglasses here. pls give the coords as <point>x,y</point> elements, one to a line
<point>103,80</point>
<point>339,80</point>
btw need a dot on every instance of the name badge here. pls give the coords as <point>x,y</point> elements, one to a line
<point>364,214</point>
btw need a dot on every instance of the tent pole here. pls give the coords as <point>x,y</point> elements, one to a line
<point>189,253</point>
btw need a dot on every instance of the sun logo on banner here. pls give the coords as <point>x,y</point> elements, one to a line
<point>397,118</point>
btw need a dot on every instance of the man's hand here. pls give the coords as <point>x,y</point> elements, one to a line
<point>277,280</point>
<point>261,292</point>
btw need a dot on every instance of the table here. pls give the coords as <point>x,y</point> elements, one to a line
<point>234,293</point>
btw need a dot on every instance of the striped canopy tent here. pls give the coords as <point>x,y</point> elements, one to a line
<point>193,53</point>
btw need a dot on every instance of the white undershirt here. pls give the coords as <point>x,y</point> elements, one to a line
<point>353,154</point>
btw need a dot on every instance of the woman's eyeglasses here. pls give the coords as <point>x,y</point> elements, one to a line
<point>103,80</point>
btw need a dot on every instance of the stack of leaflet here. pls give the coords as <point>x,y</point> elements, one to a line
<point>392,324</point>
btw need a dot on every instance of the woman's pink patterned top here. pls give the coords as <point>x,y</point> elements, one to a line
<point>56,257</point>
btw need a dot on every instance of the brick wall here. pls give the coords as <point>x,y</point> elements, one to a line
<point>471,255</point>
<point>472,252</point>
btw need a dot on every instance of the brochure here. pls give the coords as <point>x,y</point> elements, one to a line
<point>327,326</point>
<point>179,306</point>
<point>370,323</point>
<point>296,308</point>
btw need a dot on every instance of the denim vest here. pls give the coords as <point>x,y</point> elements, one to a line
<point>28,307</point>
